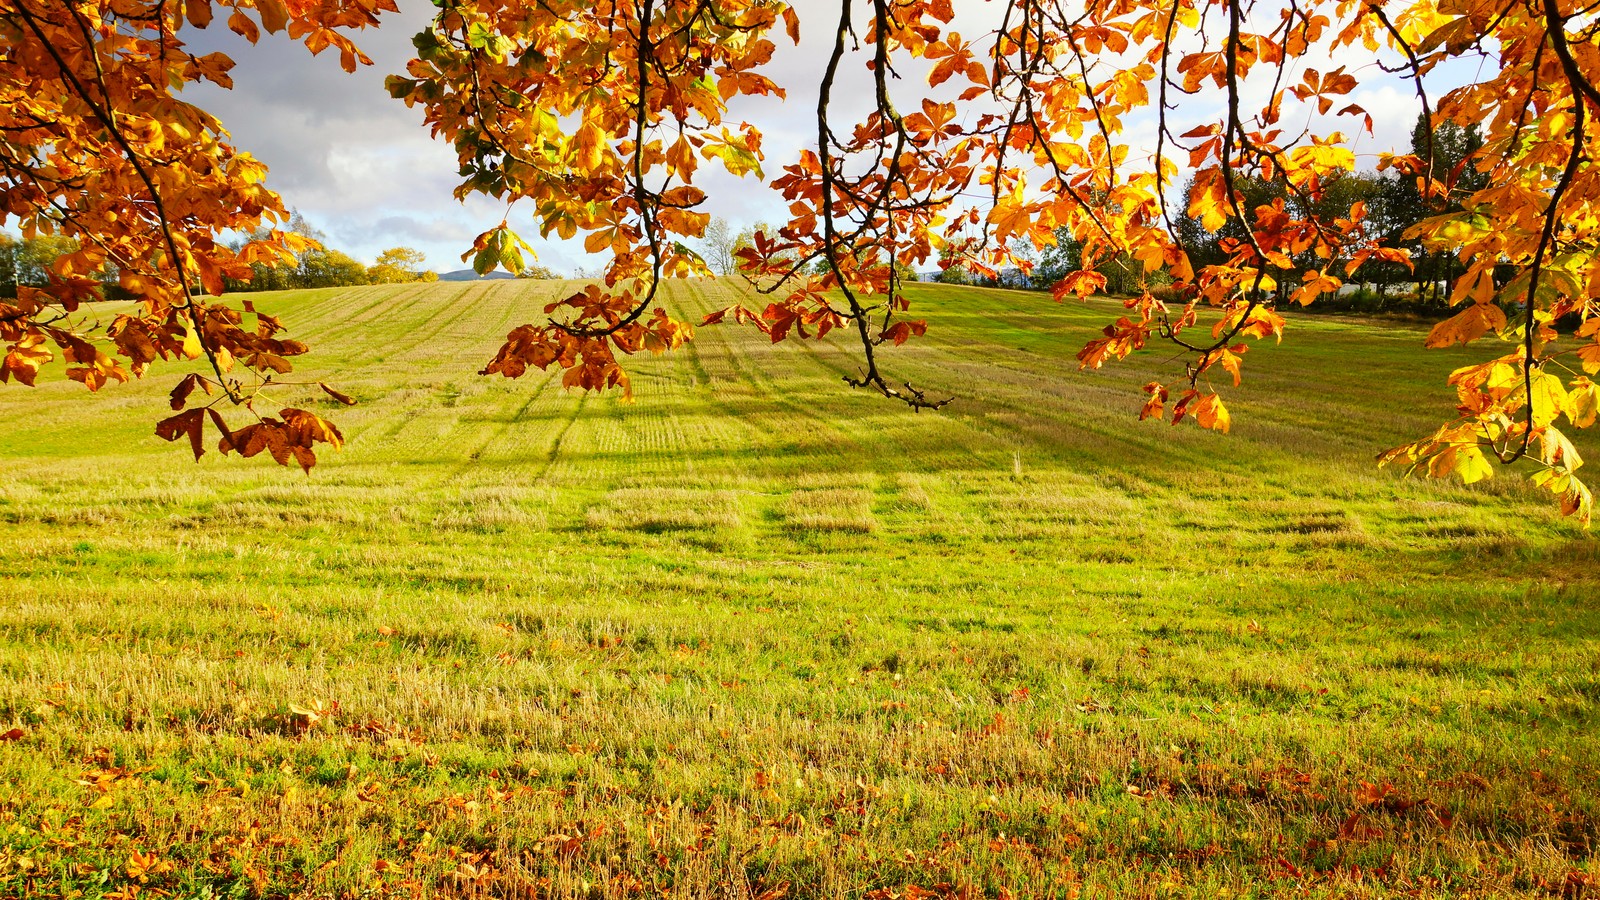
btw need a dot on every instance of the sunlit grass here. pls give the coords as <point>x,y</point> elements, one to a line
<point>759,628</point>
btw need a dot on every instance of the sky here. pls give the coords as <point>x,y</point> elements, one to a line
<point>362,168</point>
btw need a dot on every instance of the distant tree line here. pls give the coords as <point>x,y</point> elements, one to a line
<point>26,262</point>
<point>323,266</point>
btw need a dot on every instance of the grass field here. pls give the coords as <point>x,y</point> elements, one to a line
<point>759,635</point>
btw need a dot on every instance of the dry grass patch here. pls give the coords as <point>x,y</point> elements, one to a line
<point>666,509</point>
<point>816,480</point>
<point>1053,506</point>
<point>830,509</point>
<point>490,517</point>
<point>497,508</point>
<point>912,492</point>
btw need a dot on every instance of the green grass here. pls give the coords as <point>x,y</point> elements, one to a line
<point>758,628</point>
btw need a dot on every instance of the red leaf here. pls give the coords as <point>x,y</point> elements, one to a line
<point>180,394</point>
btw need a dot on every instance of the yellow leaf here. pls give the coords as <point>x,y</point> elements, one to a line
<point>191,343</point>
<point>1558,451</point>
<point>1472,466</point>
<point>588,147</point>
<point>1582,402</point>
<point>1549,399</point>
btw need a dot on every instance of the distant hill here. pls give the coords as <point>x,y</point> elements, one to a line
<point>469,275</point>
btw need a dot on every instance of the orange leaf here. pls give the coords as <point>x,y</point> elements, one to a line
<point>198,12</point>
<point>346,399</point>
<point>190,423</point>
<point>1468,325</point>
<point>1210,413</point>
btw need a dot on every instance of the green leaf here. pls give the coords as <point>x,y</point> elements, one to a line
<point>516,241</point>
<point>491,254</point>
<point>683,249</point>
<point>426,42</point>
<point>511,260</point>
<point>399,88</point>
<point>513,248</point>
<point>479,37</point>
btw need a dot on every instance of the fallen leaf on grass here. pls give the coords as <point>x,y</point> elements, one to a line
<point>776,892</point>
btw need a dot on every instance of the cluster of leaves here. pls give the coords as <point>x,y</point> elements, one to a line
<point>99,149</point>
<point>1018,142</point>
<point>598,115</point>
